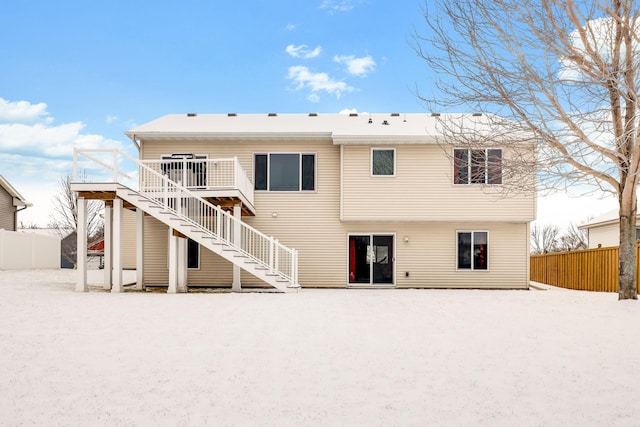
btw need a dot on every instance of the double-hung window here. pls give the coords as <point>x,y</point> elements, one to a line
<point>383,162</point>
<point>477,166</point>
<point>285,172</point>
<point>473,250</point>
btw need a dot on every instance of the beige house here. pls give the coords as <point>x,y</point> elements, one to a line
<point>11,202</point>
<point>318,200</point>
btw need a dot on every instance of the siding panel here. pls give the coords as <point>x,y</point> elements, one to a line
<point>7,211</point>
<point>422,190</point>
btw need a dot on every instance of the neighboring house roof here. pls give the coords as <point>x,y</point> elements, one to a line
<point>363,128</point>
<point>18,200</point>
<point>98,246</point>
<point>607,218</point>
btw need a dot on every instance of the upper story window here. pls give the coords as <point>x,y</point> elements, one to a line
<point>477,166</point>
<point>383,161</point>
<point>285,172</point>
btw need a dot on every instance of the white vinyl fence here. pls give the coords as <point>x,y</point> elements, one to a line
<point>28,251</point>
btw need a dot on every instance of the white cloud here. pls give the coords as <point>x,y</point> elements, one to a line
<point>302,51</point>
<point>356,66</point>
<point>290,27</point>
<point>27,129</point>
<point>51,141</point>
<point>600,38</point>
<point>23,112</point>
<point>339,5</point>
<point>316,83</point>
<point>110,119</point>
<point>348,111</point>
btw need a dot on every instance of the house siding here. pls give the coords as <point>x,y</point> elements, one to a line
<point>422,190</point>
<point>310,221</point>
<point>7,211</point>
<point>605,235</point>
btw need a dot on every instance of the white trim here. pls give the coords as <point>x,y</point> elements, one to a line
<point>371,162</point>
<point>393,257</point>
<point>472,269</point>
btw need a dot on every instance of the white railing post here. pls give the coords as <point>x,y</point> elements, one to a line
<point>115,165</point>
<point>236,168</point>
<point>276,261</point>
<point>218,213</point>
<point>75,164</point>
<point>271,254</point>
<point>294,262</point>
<point>165,190</point>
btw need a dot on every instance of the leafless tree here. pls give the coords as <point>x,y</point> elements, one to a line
<point>573,239</point>
<point>65,210</point>
<point>544,238</point>
<point>562,71</point>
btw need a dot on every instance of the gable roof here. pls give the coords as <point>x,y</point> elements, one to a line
<point>18,200</point>
<point>396,128</point>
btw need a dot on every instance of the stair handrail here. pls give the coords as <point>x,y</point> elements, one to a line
<point>172,191</point>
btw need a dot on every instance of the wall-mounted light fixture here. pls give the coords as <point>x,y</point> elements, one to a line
<point>406,239</point>
<point>274,214</point>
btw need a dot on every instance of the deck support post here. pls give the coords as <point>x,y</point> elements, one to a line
<point>173,263</point>
<point>182,265</point>
<point>117,246</point>
<point>236,286</point>
<point>81,246</point>
<point>108,249</point>
<point>139,249</point>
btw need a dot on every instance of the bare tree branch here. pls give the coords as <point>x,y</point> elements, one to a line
<point>562,72</point>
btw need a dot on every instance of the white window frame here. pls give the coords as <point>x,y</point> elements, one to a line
<point>371,161</point>
<point>472,269</point>
<point>300,154</point>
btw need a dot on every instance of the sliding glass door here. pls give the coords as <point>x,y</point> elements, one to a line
<point>371,259</point>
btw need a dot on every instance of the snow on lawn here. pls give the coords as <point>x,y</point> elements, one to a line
<point>319,357</point>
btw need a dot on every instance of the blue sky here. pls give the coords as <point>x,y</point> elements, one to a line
<point>78,73</point>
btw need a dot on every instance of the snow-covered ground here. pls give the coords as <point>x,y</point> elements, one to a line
<point>316,358</point>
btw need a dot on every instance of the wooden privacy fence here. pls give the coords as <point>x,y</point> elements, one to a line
<point>588,270</point>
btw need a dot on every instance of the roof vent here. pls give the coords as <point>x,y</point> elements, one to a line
<point>313,114</point>
<point>272,114</point>
<point>370,120</point>
<point>384,122</point>
<point>476,114</point>
<point>395,114</point>
<point>435,114</point>
<point>353,114</point>
<point>192,114</point>
<point>231,114</point>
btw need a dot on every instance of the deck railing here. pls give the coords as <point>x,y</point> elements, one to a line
<point>178,199</point>
<point>201,174</point>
